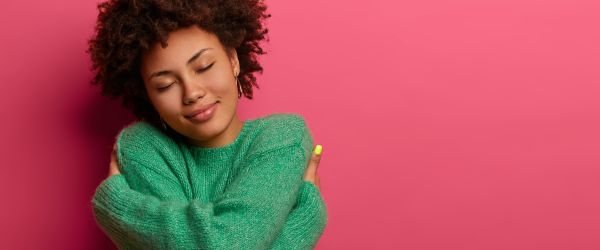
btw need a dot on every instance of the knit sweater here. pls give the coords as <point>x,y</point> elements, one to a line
<point>249,194</point>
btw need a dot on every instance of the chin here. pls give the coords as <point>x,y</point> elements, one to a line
<point>208,129</point>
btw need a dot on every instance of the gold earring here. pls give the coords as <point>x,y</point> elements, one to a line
<point>241,92</point>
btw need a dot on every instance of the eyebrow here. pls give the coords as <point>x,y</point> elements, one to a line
<point>192,59</point>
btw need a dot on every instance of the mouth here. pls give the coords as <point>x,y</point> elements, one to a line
<point>203,113</point>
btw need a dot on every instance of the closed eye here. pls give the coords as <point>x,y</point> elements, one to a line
<point>197,71</point>
<point>165,87</point>
<point>205,68</point>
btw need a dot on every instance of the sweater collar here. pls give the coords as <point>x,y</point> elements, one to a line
<point>223,152</point>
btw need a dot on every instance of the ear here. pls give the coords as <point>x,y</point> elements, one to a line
<point>235,63</point>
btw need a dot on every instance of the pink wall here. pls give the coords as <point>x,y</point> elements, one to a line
<point>445,124</point>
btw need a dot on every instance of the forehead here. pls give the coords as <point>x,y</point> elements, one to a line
<point>181,45</point>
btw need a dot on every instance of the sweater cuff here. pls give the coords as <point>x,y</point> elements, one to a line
<point>306,223</point>
<point>307,193</point>
<point>112,194</point>
<point>310,197</point>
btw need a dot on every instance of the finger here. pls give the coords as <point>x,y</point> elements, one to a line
<point>113,155</point>
<point>113,169</point>
<point>316,158</point>
<point>114,164</point>
<point>313,164</point>
<point>318,151</point>
<point>318,182</point>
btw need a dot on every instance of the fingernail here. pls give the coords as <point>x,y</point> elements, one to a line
<point>318,149</point>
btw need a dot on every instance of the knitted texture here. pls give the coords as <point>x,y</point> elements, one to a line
<point>249,194</point>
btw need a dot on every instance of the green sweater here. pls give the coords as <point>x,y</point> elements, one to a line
<point>249,194</point>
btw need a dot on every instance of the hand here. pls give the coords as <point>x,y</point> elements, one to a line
<point>310,174</point>
<point>114,163</point>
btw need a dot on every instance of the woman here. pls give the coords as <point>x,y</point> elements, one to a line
<point>190,174</point>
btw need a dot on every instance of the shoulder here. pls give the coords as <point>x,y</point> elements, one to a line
<point>280,130</point>
<point>141,141</point>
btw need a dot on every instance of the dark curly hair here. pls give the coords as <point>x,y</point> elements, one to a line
<point>127,28</point>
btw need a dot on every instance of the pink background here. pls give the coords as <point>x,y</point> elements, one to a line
<point>445,124</point>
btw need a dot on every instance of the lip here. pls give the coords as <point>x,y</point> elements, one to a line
<point>203,113</point>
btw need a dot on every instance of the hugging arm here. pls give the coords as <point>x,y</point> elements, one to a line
<point>306,222</point>
<point>238,219</point>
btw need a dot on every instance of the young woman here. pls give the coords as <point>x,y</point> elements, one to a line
<point>189,174</point>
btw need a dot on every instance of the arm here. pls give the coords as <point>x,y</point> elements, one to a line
<point>306,222</point>
<point>303,227</point>
<point>249,215</point>
<point>164,186</point>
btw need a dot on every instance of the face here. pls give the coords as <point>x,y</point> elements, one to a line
<point>194,72</point>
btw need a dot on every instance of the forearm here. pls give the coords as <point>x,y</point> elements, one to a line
<point>238,219</point>
<point>306,222</point>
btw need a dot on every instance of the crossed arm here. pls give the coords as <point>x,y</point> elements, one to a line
<point>286,212</point>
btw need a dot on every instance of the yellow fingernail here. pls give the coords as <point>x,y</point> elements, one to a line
<point>318,149</point>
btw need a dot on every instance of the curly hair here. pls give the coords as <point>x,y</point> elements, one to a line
<point>127,28</point>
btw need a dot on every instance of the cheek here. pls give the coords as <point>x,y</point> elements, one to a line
<point>166,103</point>
<point>221,77</point>
<point>227,89</point>
<point>223,85</point>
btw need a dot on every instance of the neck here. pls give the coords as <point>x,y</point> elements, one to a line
<point>226,137</point>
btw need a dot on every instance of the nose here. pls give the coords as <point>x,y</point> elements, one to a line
<point>192,91</point>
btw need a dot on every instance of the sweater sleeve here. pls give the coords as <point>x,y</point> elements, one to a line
<point>249,215</point>
<point>306,222</point>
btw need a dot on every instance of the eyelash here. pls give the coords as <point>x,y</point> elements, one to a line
<point>205,68</point>
<point>197,71</point>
